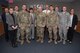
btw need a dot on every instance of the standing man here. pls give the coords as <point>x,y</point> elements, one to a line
<point>64,18</point>
<point>52,24</point>
<point>35,9</point>
<point>11,20</point>
<point>16,9</point>
<point>57,9</point>
<point>46,11</point>
<point>24,24</point>
<point>16,12</point>
<point>5,24</point>
<point>73,25</point>
<point>40,24</point>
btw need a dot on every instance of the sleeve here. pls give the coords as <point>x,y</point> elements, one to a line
<point>8,20</point>
<point>57,20</point>
<point>0,18</point>
<point>68,20</point>
<point>18,19</point>
<point>29,19</point>
<point>35,19</point>
<point>76,19</point>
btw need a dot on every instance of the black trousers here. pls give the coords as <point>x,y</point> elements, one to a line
<point>12,36</point>
<point>70,33</point>
<point>6,32</point>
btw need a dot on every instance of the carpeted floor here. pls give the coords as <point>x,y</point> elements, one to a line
<point>35,47</point>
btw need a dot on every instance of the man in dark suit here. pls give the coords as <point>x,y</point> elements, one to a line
<point>73,25</point>
<point>3,15</point>
<point>11,20</point>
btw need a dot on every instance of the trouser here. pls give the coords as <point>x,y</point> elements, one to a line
<point>32,31</point>
<point>18,34</point>
<point>63,32</point>
<point>70,34</point>
<point>40,32</point>
<point>25,31</point>
<point>54,29</point>
<point>12,36</point>
<point>6,32</point>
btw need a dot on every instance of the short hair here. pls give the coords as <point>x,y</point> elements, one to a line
<point>6,7</point>
<point>11,8</point>
<point>30,8</point>
<point>50,5</point>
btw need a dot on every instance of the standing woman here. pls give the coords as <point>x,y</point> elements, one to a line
<point>32,25</point>
<point>73,25</point>
<point>12,27</point>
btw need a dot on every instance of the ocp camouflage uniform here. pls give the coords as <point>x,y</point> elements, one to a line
<point>18,31</point>
<point>40,22</point>
<point>52,24</point>
<point>24,24</point>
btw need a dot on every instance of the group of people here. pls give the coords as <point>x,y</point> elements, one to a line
<point>29,24</point>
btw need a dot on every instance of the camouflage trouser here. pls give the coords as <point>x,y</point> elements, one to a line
<point>40,32</point>
<point>25,31</point>
<point>63,32</point>
<point>54,31</point>
<point>18,34</point>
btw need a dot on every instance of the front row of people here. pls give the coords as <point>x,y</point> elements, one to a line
<point>23,24</point>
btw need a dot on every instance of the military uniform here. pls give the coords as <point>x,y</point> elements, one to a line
<point>52,24</point>
<point>24,24</point>
<point>40,24</point>
<point>18,31</point>
<point>64,19</point>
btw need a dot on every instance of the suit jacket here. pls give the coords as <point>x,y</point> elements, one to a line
<point>3,15</point>
<point>33,18</point>
<point>10,21</point>
<point>74,20</point>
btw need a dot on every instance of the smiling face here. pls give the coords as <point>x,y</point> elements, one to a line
<point>56,8</point>
<point>24,7</point>
<point>16,8</point>
<point>72,11</point>
<point>40,9</point>
<point>51,8</point>
<point>6,10</point>
<point>47,7</point>
<point>64,9</point>
<point>11,10</point>
<point>31,10</point>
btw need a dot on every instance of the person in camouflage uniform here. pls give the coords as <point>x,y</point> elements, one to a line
<point>40,24</point>
<point>16,12</point>
<point>52,24</point>
<point>64,23</point>
<point>24,24</point>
